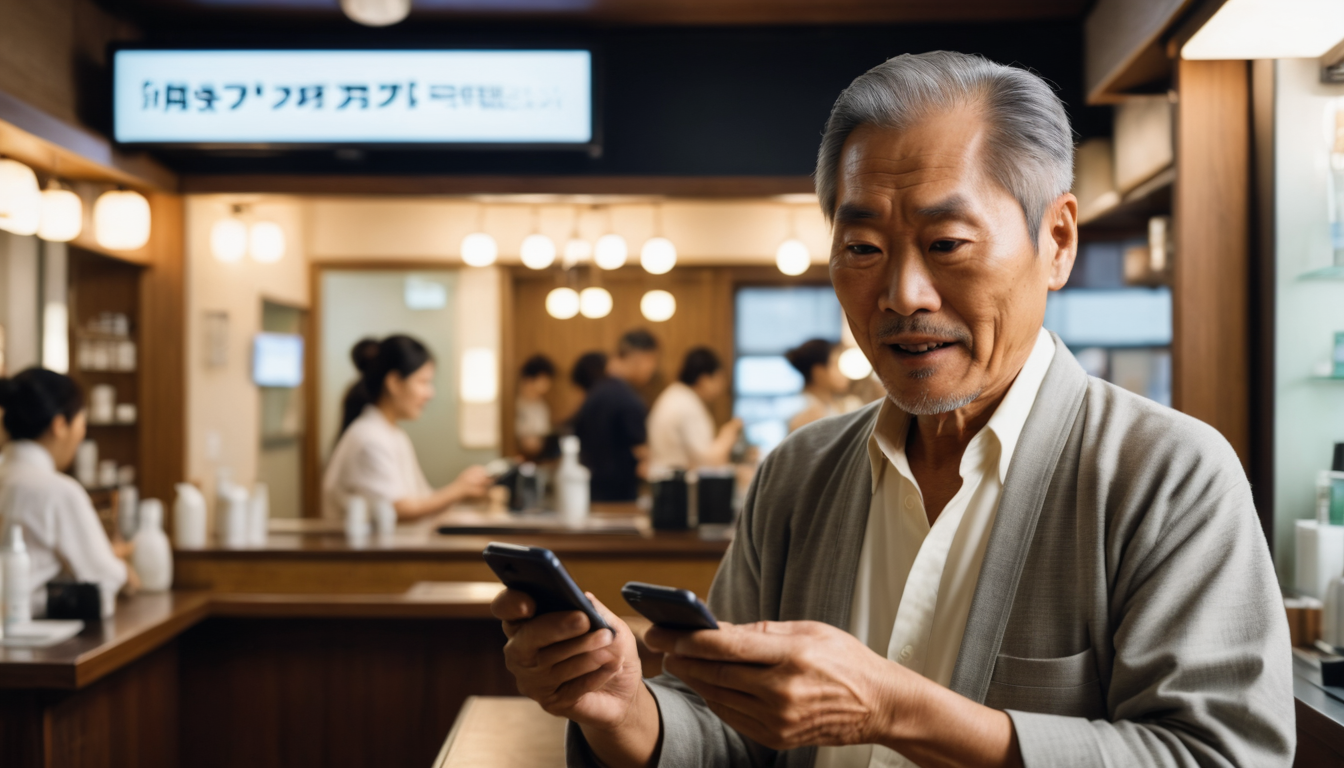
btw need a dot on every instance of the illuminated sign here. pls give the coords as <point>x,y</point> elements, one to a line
<point>257,98</point>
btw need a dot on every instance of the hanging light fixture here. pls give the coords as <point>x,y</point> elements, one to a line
<point>577,250</point>
<point>854,364</point>
<point>479,249</point>
<point>266,242</point>
<point>62,214</point>
<point>537,250</point>
<point>658,306</point>
<point>562,303</point>
<point>595,302</point>
<point>20,198</point>
<point>659,255</point>
<point>376,13</point>
<point>228,238</point>
<point>121,220</point>
<point>792,256</point>
<point>610,251</point>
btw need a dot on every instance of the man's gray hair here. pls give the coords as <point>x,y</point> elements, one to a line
<point>1029,146</point>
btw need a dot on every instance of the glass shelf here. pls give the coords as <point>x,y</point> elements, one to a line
<point>1324,273</point>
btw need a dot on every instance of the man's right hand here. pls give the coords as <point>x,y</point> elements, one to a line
<point>591,678</point>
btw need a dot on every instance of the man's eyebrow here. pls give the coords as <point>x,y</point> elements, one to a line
<point>848,212</point>
<point>953,207</point>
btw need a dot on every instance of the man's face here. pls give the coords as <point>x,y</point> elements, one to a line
<point>642,366</point>
<point>933,264</point>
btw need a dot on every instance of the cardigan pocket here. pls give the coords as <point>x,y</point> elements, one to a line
<point>1066,686</point>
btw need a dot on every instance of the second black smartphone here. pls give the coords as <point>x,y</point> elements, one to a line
<point>539,573</point>
<point>668,607</point>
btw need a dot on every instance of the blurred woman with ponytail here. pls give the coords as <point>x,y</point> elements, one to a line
<point>374,457</point>
<point>44,420</point>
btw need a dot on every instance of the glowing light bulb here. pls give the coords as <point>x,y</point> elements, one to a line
<point>538,252</point>
<point>658,306</point>
<point>479,250</point>
<point>610,252</point>
<point>228,240</point>
<point>658,256</point>
<point>854,365</point>
<point>20,198</point>
<point>121,220</point>
<point>562,303</point>
<point>376,13</point>
<point>62,216</point>
<point>267,242</point>
<point>792,257</point>
<point>594,302</point>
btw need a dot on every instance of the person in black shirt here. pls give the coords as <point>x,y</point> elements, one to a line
<point>610,423</point>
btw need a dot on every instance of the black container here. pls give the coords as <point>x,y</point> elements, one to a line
<point>66,600</point>
<point>715,497</point>
<point>671,507</point>
<point>1338,464</point>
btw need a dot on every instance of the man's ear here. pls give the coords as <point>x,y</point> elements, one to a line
<point>1059,238</point>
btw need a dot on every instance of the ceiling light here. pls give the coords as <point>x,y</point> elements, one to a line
<point>792,257</point>
<point>20,198</point>
<point>479,250</point>
<point>1269,29</point>
<point>121,220</point>
<point>610,252</point>
<point>62,215</point>
<point>577,251</point>
<point>854,365</point>
<point>562,303</point>
<point>376,13</point>
<point>228,240</point>
<point>658,256</point>
<point>658,306</point>
<point>267,242</point>
<point>594,302</point>
<point>538,251</point>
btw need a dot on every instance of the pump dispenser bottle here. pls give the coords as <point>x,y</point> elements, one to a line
<point>571,484</point>
<point>18,595</point>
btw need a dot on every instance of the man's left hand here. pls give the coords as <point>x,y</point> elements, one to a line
<point>789,684</point>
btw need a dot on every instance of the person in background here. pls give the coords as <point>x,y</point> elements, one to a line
<point>681,428</point>
<point>374,457</point>
<point>532,416</point>
<point>45,420</point>
<point>362,355</point>
<point>824,385</point>
<point>590,368</point>
<point>610,423</point>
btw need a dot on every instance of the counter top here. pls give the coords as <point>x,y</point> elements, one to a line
<point>503,732</point>
<point>147,621</point>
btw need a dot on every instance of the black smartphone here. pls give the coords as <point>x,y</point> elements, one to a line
<point>668,607</point>
<point>539,573</point>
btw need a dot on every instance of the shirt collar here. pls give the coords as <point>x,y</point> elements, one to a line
<point>29,452</point>
<point>887,441</point>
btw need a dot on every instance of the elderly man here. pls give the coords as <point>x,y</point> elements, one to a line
<point>1003,563</point>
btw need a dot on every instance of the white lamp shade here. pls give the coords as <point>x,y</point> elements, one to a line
<point>228,240</point>
<point>792,257</point>
<point>577,250</point>
<point>62,216</point>
<point>121,220</point>
<point>854,365</point>
<point>20,198</point>
<point>267,242</point>
<point>480,376</point>
<point>376,13</point>
<point>658,306</point>
<point>562,303</point>
<point>479,250</point>
<point>610,252</point>
<point>658,256</point>
<point>594,302</point>
<point>537,252</point>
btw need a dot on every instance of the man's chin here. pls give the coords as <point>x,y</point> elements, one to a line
<point>924,401</point>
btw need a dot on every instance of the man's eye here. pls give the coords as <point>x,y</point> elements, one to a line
<point>860,249</point>
<point>943,246</point>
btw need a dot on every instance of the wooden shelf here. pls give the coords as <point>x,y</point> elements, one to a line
<point>1133,209</point>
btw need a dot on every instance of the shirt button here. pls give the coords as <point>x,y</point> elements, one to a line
<point>907,652</point>
<point>910,502</point>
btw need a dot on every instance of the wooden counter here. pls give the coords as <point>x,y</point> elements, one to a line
<point>504,732</point>
<point>318,558</point>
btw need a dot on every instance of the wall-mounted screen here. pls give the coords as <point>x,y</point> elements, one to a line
<point>315,98</point>
<point>277,360</point>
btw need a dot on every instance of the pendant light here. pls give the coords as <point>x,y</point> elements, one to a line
<point>577,250</point>
<point>479,249</point>
<point>792,256</point>
<point>658,306</point>
<point>121,220</point>
<point>20,198</point>
<point>228,239</point>
<point>610,251</point>
<point>376,13</point>
<point>538,250</point>
<point>562,303</point>
<point>62,214</point>
<point>659,255</point>
<point>266,242</point>
<point>854,364</point>
<point>595,302</point>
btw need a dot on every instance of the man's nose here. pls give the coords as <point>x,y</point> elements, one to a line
<point>909,284</point>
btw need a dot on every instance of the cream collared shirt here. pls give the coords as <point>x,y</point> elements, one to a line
<point>913,588</point>
<point>374,459</point>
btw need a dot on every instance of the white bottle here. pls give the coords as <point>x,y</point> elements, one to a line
<point>571,484</point>
<point>232,516</point>
<point>128,503</point>
<point>1332,618</point>
<point>86,464</point>
<point>258,515</point>
<point>18,595</point>
<point>384,518</point>
<point>356,519</point>
<point>189,517</point>
<point>153,557</point>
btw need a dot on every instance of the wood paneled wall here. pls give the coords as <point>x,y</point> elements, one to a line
<point>1210,322</point>
<point>704,316</point>
<point>163,365</point>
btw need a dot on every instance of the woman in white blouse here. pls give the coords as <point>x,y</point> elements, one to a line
<point>681,428</point>
<point>45,421</point>
<point>374,457</point>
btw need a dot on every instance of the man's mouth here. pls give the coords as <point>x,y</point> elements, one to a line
<point>919,349</point>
